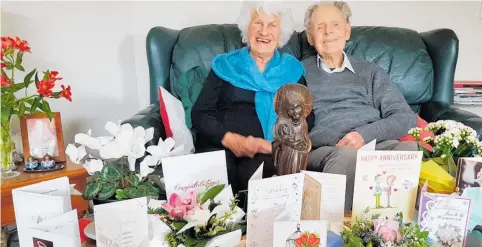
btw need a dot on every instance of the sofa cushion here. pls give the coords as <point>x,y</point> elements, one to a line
<point>401,52</point>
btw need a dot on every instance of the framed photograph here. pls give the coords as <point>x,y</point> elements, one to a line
<point>40,136</point>
<point>468,173</point>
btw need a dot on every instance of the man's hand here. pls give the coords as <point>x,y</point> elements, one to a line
<point>244,146</point>
<point>352,139</point>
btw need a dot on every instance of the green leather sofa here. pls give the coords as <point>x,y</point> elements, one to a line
<point>421,64</point>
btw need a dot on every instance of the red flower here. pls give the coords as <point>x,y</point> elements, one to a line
<point>5,82</point>
<point>301,240</point>
<point>21,45</point>
<point>313,241</point>
<point>45,88</point>
<point>3,65</point>
<point>307,240</point>
<point>53,76</point>
<point>7,42</point>
<point>66,93</point>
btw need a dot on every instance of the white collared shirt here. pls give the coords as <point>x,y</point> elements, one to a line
<point>346,64</point>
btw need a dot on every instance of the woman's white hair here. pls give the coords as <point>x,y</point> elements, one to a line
<point>269,8</point>
<point>343,7</point>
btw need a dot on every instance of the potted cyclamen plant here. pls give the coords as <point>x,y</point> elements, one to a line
<point>111,162</point>
<point>12,52</point>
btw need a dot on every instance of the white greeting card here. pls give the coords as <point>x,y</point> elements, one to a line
<point>122,223</point>
<point>288,197</point>
<point>194,172</point>
<point>445,217</point>
<point>386,182</point>
<point>287,233</point>
<point>50,198</point>
<point>62,230</point>
<point>332,195</point>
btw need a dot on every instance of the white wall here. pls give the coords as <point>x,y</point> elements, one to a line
<point>99,47</point>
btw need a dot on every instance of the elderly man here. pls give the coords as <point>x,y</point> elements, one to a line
<point>355,101</point>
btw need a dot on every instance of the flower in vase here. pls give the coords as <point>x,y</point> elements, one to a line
<point>388,229</point>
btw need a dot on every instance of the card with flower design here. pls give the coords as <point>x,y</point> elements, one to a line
<point>290,197</point>
<point>386,182</point>
<point>194,172</point>
<point>306,233</point>
<point>445,217</point>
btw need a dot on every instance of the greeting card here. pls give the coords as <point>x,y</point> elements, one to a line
<point>290,197</point>
<point>122,223</point>
<point>445,217</point>
<point>332,195</point>
<point>469,173</point>
<point>62,230</point>
<point>311,233</point>
<point>194,172</point>
<point>38,202</point>
<point>386,182</point>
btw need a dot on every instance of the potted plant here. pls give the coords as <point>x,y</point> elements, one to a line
<point>11,54</point>
<point>111,162</point>
<point>442,143</point>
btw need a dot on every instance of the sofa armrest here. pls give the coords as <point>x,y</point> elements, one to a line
<point>149,117</point>
<point>434,111</point>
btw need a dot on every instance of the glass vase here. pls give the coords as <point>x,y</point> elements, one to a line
<point>7,147</point>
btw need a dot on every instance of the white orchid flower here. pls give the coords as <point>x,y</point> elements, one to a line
<point>93,165</point>
<point>76,154</point>
<point>128,142</point>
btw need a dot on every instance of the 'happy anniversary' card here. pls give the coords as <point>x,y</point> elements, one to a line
<point>386,182</point>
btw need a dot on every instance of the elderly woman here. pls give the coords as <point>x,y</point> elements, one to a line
<point>355,99</point>
<point>235,109</point>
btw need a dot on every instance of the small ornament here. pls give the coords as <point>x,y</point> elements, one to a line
<point>47,162</point>
<point>31,163</point>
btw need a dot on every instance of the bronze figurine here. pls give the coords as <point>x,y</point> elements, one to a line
<point>291,146</point>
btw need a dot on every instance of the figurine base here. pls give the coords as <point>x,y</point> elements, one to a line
<point>56,167</point>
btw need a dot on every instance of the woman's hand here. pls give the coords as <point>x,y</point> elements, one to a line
<point>243,146</point>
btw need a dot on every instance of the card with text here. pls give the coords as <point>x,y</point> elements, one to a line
<point>386,182</point>
<point>289,197</point>
<point>38,202</point>
<point>332,195</point>
<point>62,230</point>
<point>291,233</point>
<point>194,172</point>
<point>122,223</point>
<point>445,217</point>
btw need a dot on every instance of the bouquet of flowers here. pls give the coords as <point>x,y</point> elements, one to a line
<point>204,219</point>
<point>379,231</point>
<point>111,161</point>
<point>441,143</point>
<point>308,240</point>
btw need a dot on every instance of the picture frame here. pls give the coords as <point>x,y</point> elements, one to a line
<point>41,136</point>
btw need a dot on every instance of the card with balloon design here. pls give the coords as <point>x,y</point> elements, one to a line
<point>386,182</point>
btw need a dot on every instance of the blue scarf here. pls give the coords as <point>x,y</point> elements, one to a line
<point>240,69</point>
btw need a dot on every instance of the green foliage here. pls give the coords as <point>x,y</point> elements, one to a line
<point>116,180</point>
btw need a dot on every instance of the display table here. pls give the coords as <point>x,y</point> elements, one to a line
<point>76,173</point>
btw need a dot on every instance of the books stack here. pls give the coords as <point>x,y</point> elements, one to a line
<point>468,93</point>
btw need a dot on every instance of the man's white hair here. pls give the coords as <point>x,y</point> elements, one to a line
<point>343,7</point>
<point>268,8</point>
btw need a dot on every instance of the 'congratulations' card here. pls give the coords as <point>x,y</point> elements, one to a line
<point>386,182</point>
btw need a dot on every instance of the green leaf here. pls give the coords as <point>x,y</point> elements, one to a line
<point>133,180</point>
<point>28,78</point>
<point>211,193</point>
<point>178,225</point>
<point>152,190</point>
<point>91,190</point>
<point>18,60</point>
<point>110,172</point>
<point>131,192</point>
<point>20,67</point>
<point>6,113</point>
<point>107,191</point>
<point>35,104</point>
<point>36,80</point>
<point>21,108</point>
<point>121,194</point>
<point>46,109</point>
<point>13,88</point>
